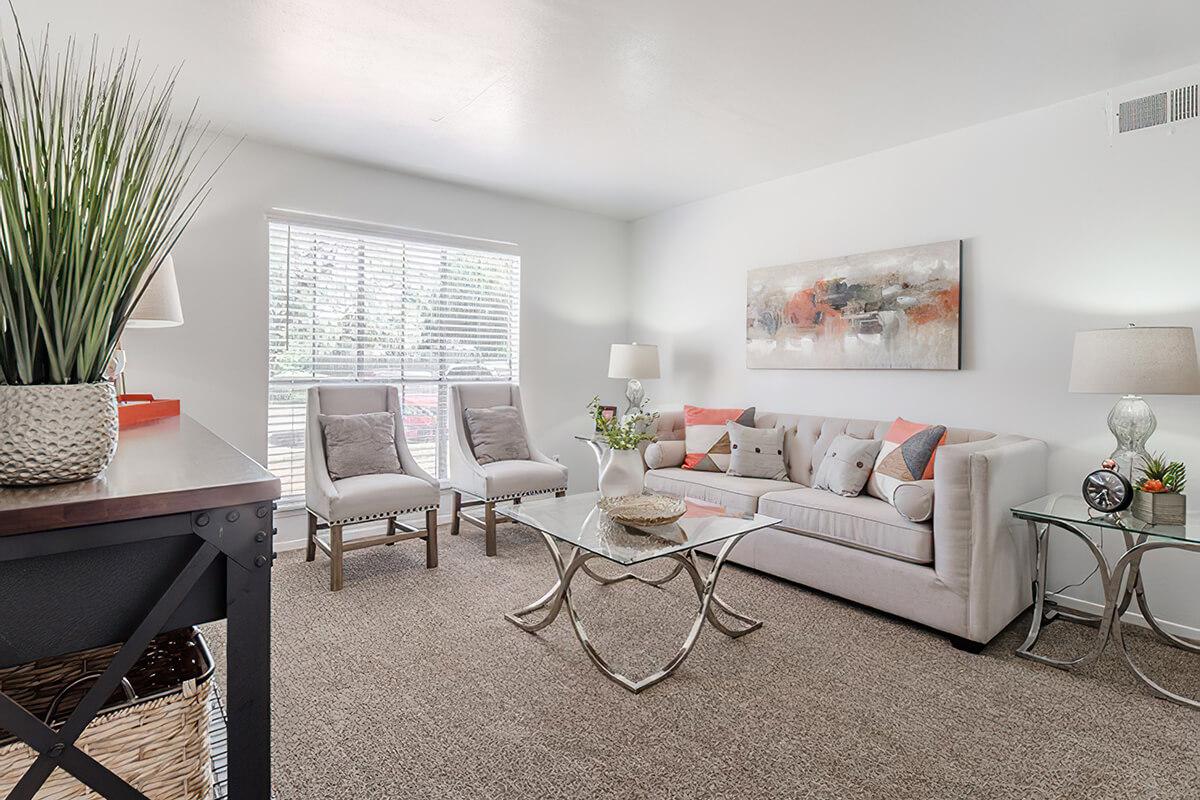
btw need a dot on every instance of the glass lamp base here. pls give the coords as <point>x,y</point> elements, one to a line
<point>1131,422</point>
<point>635,396</point>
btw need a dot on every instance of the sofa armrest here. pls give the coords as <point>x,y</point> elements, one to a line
<point>980,551</point>
<point>665,454</point>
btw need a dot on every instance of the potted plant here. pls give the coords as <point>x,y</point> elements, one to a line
<point>96,185</point>
<point>622,472</point>
<point>1158,496</point>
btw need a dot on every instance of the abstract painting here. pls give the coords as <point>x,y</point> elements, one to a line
<point>891,309</point>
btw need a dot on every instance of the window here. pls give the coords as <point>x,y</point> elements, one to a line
<point>355,302</point>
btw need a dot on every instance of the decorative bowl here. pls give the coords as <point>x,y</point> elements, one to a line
<point>643,510</point>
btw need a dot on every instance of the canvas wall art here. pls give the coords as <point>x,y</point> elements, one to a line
<point>891,309</point>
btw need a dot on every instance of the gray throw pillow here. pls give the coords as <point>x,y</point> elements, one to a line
<point>847,465</point>
<point>755,452</point>
<point>497,434</point>
<point>360,444</point>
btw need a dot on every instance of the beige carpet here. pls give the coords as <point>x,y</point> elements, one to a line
<point>410,684</point>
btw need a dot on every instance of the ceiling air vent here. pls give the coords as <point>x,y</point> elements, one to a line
<point>1175,105</point>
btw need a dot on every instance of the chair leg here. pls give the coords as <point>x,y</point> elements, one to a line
<point>455,508</point>
<point>431,532</point>
<point>391,530</point>
<point>489,531</point>
<point>335,558</point>
<point>310,552</point>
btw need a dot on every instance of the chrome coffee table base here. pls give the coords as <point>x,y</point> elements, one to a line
<point>1122,585</point>
<point>704,582</point>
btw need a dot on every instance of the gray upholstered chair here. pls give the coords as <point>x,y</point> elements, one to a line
<point>334,504</point>
<point>499,480</point>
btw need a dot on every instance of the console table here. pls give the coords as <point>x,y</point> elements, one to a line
<point>1122,582</point>
<point>177,532</point>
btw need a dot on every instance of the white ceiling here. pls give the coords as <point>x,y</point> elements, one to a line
<point>627,107</point>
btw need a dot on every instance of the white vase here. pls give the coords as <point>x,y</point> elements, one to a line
<point>622,473</point>
<point>53,434</point>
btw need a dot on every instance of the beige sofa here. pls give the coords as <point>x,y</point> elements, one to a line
<point>966,572</point>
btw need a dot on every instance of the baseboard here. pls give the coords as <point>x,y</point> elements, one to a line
<point>1186,631</point>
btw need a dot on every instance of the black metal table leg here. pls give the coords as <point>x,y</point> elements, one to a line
<point>248,670</point>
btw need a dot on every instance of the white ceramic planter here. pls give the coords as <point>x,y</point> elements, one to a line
<point>55,434</point>
<point>622,473</point>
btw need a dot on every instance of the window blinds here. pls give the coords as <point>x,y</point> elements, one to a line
<point>357,303</point>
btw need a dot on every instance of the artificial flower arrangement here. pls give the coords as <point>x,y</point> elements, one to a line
<point>624,433</point>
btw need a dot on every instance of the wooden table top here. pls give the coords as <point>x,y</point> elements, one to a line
<point>168,466</point>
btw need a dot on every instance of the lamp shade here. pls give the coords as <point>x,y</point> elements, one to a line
<point>633,361</point>
<point>159,306</point>
<point>1135,361</point>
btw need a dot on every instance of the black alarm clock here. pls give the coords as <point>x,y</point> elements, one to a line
<point>1107,490</point>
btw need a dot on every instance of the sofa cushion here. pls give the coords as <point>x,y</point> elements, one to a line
<point>862,522</point>
<point>739,495</point>
<point>380,495</point>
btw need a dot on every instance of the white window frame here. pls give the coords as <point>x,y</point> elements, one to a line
<point>285,418</point>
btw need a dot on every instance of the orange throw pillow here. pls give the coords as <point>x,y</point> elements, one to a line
<point>705,437</point>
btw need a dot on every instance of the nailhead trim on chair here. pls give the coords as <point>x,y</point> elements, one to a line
<point>511,496</point>
<point>373,517</point>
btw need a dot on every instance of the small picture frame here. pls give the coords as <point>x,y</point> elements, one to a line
<point>608,413</point>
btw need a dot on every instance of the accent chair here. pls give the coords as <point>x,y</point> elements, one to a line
<point>496,481</point>
<point>333,504</point>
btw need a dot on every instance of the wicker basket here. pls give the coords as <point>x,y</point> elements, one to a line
<point>153,733</point>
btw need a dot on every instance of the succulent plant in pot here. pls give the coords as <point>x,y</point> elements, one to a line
<point>97,181</point>
<point>1158,491</point>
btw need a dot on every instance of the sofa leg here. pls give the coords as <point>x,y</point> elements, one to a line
<point>967,645</point>
<point>489,530</point>
<point>391,529</point>
<point>431,531</point>
<point>561,493</point>
<point>455,508</point>
<point>310,551</point>
<point>335,558</point>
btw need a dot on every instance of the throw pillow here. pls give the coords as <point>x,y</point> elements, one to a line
<point>847,465</point>
<point>705,436</point>
<point>497,434</point>
<point>907,455</point>
<point>914,500</point>
<point>664,454</point>
<point>756,452</point>
<point>360,444</point>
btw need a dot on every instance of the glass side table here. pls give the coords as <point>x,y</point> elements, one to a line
<point>1122,581</point>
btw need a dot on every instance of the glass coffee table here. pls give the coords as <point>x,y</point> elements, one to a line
<point>589,534</point>
<point>1122,581</point>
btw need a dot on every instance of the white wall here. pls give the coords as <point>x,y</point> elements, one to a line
<point>573,268</point>
<point>1062,232</point>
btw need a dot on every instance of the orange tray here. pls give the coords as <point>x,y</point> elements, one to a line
<point>133,409</point>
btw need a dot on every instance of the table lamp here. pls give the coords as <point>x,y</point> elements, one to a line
<point>1132,362</point>
<point>159,308</point>
<point>634,362</point>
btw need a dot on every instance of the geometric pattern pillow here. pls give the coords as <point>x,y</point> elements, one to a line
<point>907,455</point>
<point>707,442</point>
